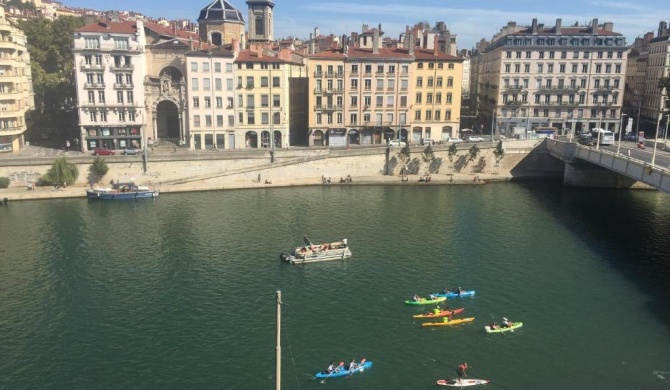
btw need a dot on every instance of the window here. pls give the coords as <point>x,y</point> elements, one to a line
<point>403,101</point>
<point>526,68</point>
<point>430,82</point>
<point>449,98</point>
<point>418,97</point>
<point>194,84</point>
<point>119,96</point>
<point>91,43</point>
<point>368,69</point>
<point>353,119</point>
<point>231,120</point>
<point>447,115</point>
<point>417,115</point>
<point>598,68</point>
<point>450,82</point>
<point>120,43</point>
<point>219,102</point>
<point>380,101</point>
<point>229,84</point>
<point>437,115</point>
<point>419,65</point>
<point>250,102</point>
<point>551,54</point>
<point>419,81</point>
<point>540,67</point>
<point>122,116</point>
<point>429,98</point>
<point>438,82</point>
<point>429,115</point>
<point>380,84</point>
<point>129,95</point>
<point>574,68</point>
<point>265,118</point>
<point>508,54</point>
<point>608,68</point>
<point>617,68</point>
<point>208,102</point>
<point>91,96</point>
<point>368,84</point>
<point>507,68</point>
<point>438,98</point>
<point>585,68</point>
<point>93,116</point>
<point>103,116</point>
<point>251,118</point>
<point>517,68</point>
<point>318,119</point>
<point>208,120</point>
<point>265,101</point>
<point>101,96</point>
<point>550,68</point>
<point>380,68</point>
<point>264,82</point>
<point>451,66</point>
<point>206,84</point>
<point>250,81</point>
<point>561,68</point>
<point>205,66</point>
<point>518,54</point>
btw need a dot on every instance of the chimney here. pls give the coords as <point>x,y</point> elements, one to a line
<point>608,26</point>
<point>534,26</point>
<point>190,43</point>
<point>235,46</point>
<point>557,29</point>
<point>648,36</point>
<point>594,26</point>
<point>380,28</point>
<point>316,32</point>
<point>436,44</point>
<point>375,41</point>
<point>365,28</point>
<point>311,44</point>
<point>259,50</point>
<point>410,50</point>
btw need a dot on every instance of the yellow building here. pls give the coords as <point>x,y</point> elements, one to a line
<point>436,102</point>
<point>269,97</point>
<point>16,90</point>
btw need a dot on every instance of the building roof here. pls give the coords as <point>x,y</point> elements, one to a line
<point>125,27</point>
<point>385,52</point>
<point>428,54</point>
<point>663,38</point>
<point>220,11</point>
<point>579,30</point>
<point>252,56</point>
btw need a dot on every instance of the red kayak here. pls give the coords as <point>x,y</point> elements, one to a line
<point>443,313</point>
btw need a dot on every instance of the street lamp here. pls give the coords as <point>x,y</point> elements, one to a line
<point>658,123</point>
<point>667,120</point>
<point>618,148</point>
<point>600,118</point>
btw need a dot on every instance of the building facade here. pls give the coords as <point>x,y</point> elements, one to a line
<point>220,23</point>
<point>658,67</point>
<point>16,87</point>
<point>110,65</point>
<point>211,95</point>
<point>260,23</point>
<point>569,78</point>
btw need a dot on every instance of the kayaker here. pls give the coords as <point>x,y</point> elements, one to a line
<point>432,297</point>
<point>415,298</point>
<point>445,291</point>
<point>495,325</point>
<point>352,365</point>
<point>459,290</point>
<point>331,367</point>
<point>461,371</point>
<point>506,322</point>
<point>447,318</point>
<point>437,310</point>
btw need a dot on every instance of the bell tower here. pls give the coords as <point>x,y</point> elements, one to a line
<point>260,24</point>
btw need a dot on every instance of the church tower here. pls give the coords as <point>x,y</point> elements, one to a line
<point>220,23</point>
<point>260,24</point>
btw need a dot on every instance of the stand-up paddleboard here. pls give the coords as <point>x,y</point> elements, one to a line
<point>463,382</point>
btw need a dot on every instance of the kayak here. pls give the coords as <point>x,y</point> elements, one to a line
<point>425,301</point>
<point>515,325</point>
<point>443,313</point>
<point>340,373</point>
<point>452,322</point>
<point>470,293</point>
<point>463,382</point>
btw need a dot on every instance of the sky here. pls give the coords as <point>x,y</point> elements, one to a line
<point>470,20</point>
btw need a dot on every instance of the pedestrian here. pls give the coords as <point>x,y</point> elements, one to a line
<point>628,153</point>
<point>461,371</point>
<point>76,143</point>
<point>259,178</point>
<point>67,145</point>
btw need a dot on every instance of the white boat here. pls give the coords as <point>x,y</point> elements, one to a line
<point>314,253</point>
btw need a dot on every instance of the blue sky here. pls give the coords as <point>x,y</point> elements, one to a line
<point>470,20</point>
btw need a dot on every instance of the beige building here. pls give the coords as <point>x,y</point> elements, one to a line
<point>658,66</point>
<point>16,86</point>
<point>270,96</point>
<point>570,78</point>
<point>220,23</point>
<point>109,66</point>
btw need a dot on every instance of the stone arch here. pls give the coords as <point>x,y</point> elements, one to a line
<point>175,74</point>
<point>216,37</point>
<point>167,116</point>
<point>259,25</point>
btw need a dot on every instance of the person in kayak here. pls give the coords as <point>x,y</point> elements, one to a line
<point>495,325</point>
<point>461,371</point>
<point>352,365</point>
<point>445,291</point>
<point>437,310</point>
<point>447,318</point>
<point>415,298</point>
<point>459,290</point>
<point>506,322</point>
<point>432,297</point>
<point>331,368</point>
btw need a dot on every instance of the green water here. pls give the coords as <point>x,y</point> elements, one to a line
<point>179,293</point>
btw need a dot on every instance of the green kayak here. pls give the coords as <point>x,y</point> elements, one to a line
<point>426,301</point>
<point>500,329</point>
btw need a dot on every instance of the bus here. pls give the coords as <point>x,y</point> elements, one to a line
<point>606,136</point>
<point>546,132</point>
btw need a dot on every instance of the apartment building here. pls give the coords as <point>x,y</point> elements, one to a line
<point>110,65</point>
<point>636,69</point>
<point>16,87</point>
<point>211,96</point>
<point>658,67</point>
<point>567,77</point>
<point>359,94</point>
<point>436,107</point>
<point>267,96</point>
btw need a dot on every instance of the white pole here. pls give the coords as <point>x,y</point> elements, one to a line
<point>658,125</point>
<point>667,121</point>
<point>278,348</point>
<point>618,148</point>
<point>598,131</point>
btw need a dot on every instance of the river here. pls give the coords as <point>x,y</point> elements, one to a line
<point>179,293</point>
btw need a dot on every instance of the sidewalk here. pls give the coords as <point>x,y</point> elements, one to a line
<point>79,191</point>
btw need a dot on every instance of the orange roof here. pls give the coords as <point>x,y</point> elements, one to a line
<point>252,56</point>
<point>427,54</point>
<point>127,27</point>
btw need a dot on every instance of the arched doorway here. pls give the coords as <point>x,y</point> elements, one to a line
<point>251,139</point>
<point>277,139</point>
<point>446,133</point>
<point>318,138</point>
<point>217,39</point>
<point>167,120</point>
<point>265,139</point>
<point>367,136</point>
<point>354,137</point>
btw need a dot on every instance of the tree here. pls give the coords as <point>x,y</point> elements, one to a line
<point>451,154</point>
<point>61,173</point>
<point>98,169</point>
<point>473,153</point>
<point>499,152</point>
<point>404,156</point>
<point>52,68</point>
<point>428,156</point>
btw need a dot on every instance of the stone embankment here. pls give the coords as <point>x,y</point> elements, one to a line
<point>181,171</point>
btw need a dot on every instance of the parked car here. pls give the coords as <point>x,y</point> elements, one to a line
<point>454,140</point>
<point>428,141</point>
<point>475,138</point>
<point>103,152</point>
<point>395,142</point>
<point>586,141</point>
<point>130,151</point>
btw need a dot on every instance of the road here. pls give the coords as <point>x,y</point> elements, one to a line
<point>662,156</point>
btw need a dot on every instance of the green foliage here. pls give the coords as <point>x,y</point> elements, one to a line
<point>404,154</point>
<point>21,5</point>
<point>473,152</point>
<point>499,152</point>
<point>451,153</point>
<point>60,173</point>
<point>428,156</point>
<point>4,182</point>
<point>52,67</point>
<point>98,169</point>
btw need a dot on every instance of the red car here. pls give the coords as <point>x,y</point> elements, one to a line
<point>103,152</point>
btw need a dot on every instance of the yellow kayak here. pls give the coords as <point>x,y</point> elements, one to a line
<point>452,322</point>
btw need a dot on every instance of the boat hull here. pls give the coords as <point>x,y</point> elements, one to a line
<point>451,295</point>
<point>424,301</point>
<point>515,325</point>
<point>450,323</point>
<point>115,195</point>
<point>463,382</point>
<point>335,374</point>
<point>443,313</point>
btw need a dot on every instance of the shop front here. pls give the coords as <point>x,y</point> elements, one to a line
<point>337,137</point>
<point>6,144</point>
<point>113,137</point>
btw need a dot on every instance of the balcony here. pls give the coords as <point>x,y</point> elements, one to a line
<point>604,89</point>
<point>339,75</point>
<point>123,85</point>
<point>250,107</point>
<point>318,107</point>
<point>250,86</point>
<point>94,85</point>
<point>122,67</point>
<point>330,75</point>
<point>337,90</point>
<point>318,91</point>
<point>90,66</point>
<point>513,103</point>
<point>514,88</point>
<point>318,73</point>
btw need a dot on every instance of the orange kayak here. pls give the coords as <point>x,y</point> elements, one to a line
<point>452,322</point>
<point>443,313</point>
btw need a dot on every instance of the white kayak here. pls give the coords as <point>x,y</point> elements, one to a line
<point>463,382</point>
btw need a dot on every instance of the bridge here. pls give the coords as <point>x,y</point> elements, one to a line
<point>612,166</point>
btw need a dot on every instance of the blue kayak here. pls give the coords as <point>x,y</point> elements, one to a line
<point>338,373</point>
<point>451,295</point>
